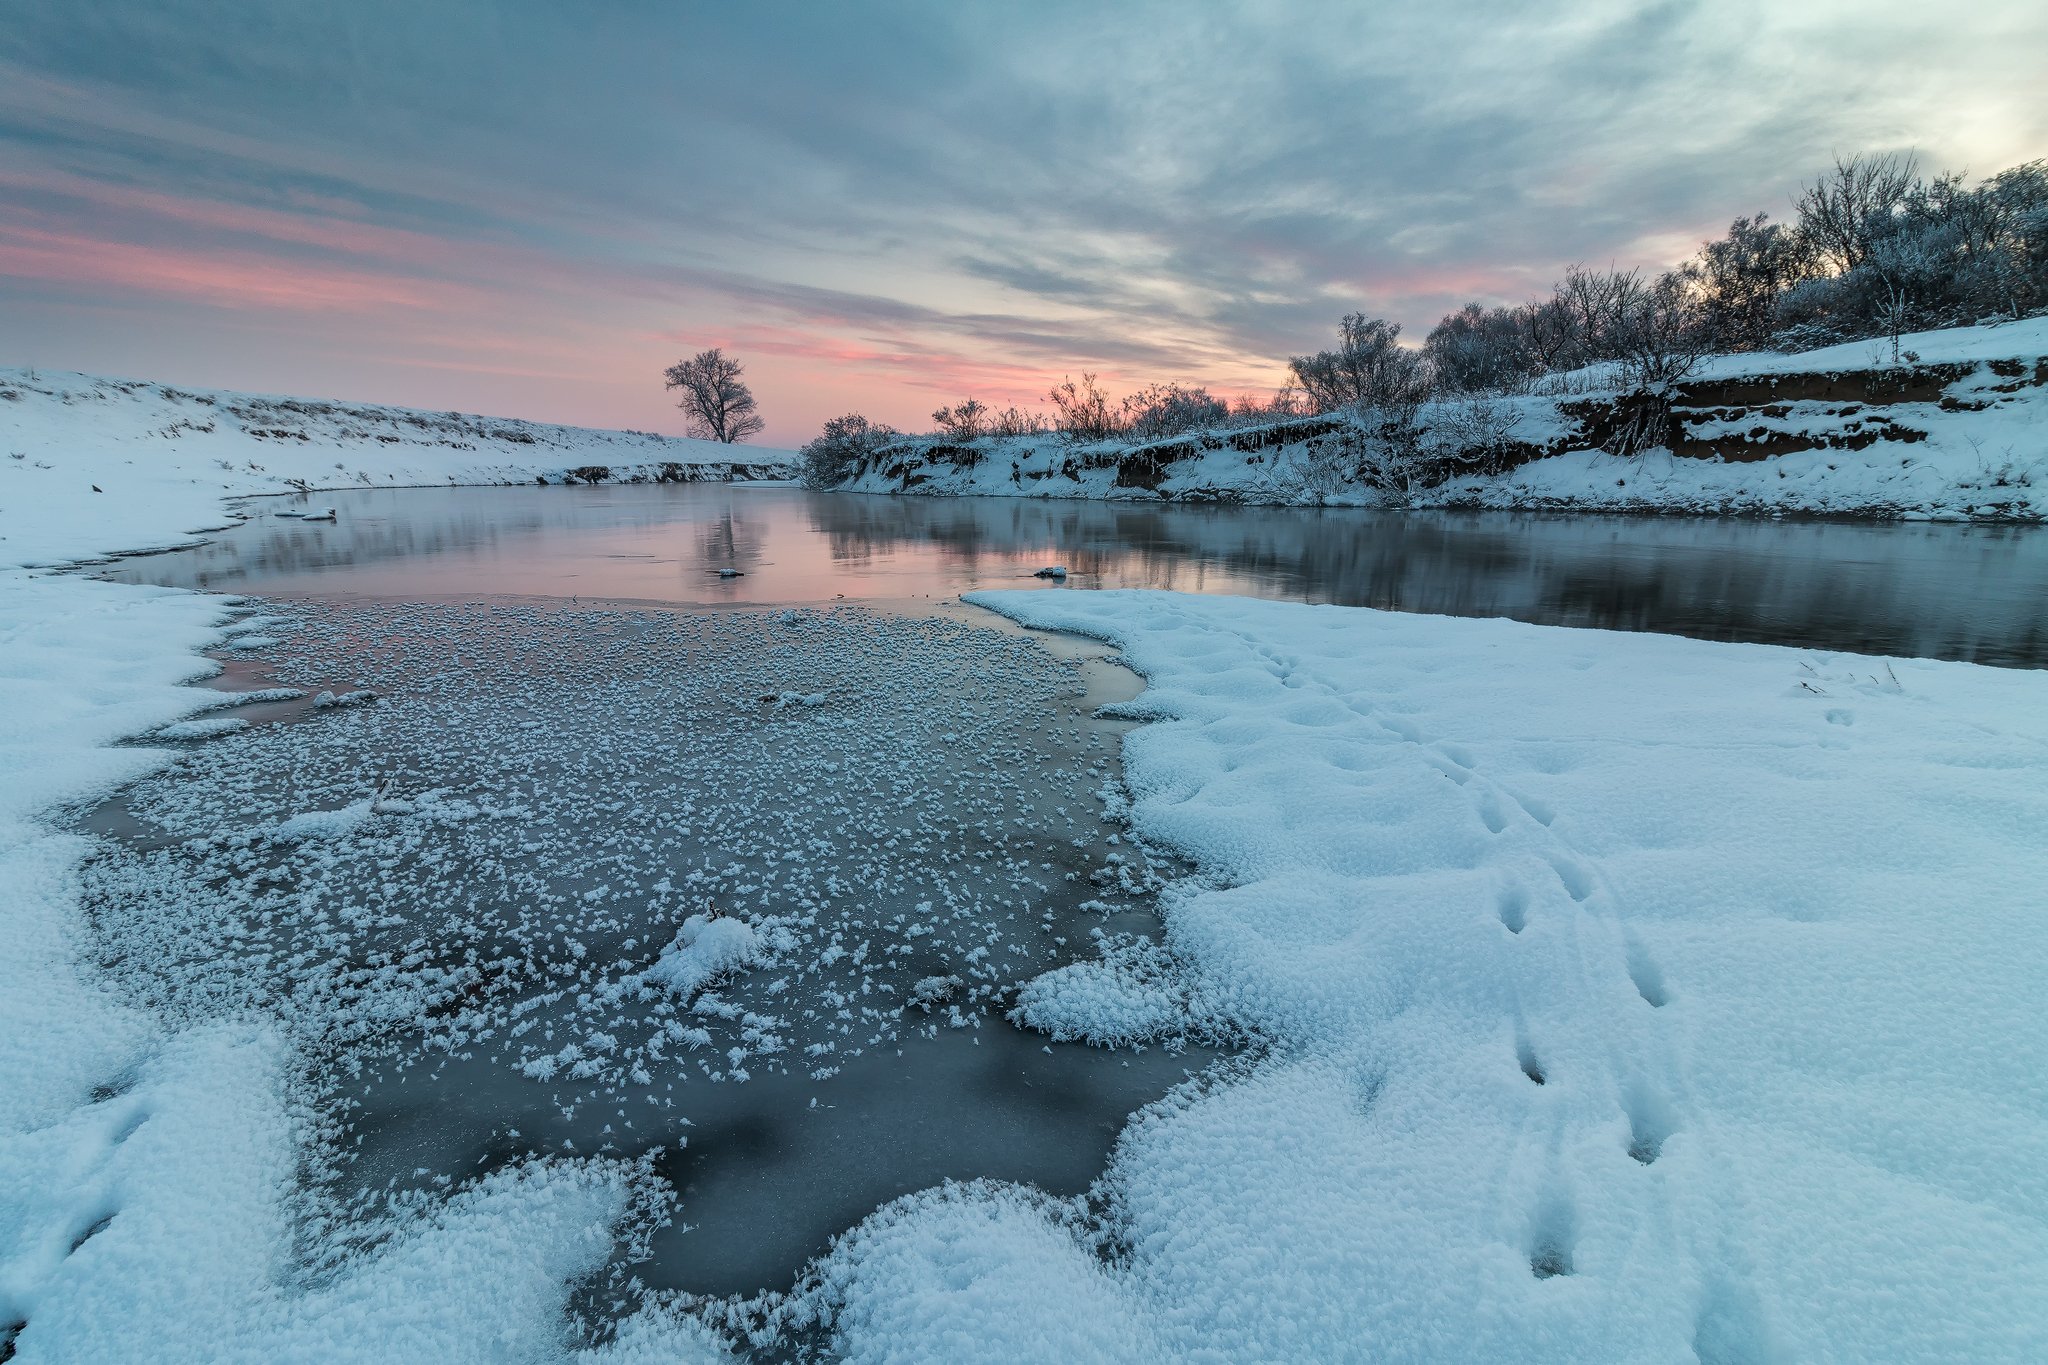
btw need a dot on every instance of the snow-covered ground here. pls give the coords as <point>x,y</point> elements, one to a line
<point>1621,997</point>
<point>1629,998</point>
<point>92,466</point>
<point>1956,428</point>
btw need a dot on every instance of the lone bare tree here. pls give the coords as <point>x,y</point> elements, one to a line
<point>716,404</point>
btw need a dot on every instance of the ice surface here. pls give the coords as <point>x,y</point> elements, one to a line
<point>146,1174</point>
<point>579,867</point>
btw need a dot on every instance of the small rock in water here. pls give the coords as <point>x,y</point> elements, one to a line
<point>1052,571</point>
<point>360,697</point>
<point>732,573</point>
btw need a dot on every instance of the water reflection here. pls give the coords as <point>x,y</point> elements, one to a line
<point>1936,590</point>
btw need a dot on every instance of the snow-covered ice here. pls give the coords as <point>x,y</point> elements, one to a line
<point>704,950</point>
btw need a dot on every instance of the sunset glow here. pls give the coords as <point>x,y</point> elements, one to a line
<point>987,206</point>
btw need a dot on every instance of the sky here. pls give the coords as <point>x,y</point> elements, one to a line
<point>532,209</point>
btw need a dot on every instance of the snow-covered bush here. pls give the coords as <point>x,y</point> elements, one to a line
<point>1369,371</point>
<point>832,457</point>
<point>1015,421</point>
<point>967,421</point>
<point>1483,350</point>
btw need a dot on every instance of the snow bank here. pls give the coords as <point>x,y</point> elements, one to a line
<point>1630,998</point>
<point>92,466</point>
<point>1957,428</point>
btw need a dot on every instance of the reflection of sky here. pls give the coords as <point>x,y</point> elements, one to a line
<point>1944,591</point>
<point>531,209</point>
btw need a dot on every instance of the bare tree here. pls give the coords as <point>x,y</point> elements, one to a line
<point>1741,276</point>
<point>1368,370</point>
<point>1085,413</point>
<point>967,422</point>
<point>716,404</point>
<point>1843,213</point>
<point>1660,331</point>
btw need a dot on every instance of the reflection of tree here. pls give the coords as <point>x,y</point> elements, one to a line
<point>1938,590</point>
<point>1953,591</point>
<point>728,540</point>
<point>387,524</point>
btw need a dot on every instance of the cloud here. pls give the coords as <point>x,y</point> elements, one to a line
<point>889,202</point>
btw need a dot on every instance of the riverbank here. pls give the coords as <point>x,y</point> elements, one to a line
<point>1955,428</point>
<point>92,466</point>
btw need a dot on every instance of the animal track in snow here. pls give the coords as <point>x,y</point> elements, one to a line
<point>1578,882</point>
<point>1553,1236</point>
<point>1514,909</point>
<point>1647,976</point>
<point>1490,812</point>
<point>1649,1122</point>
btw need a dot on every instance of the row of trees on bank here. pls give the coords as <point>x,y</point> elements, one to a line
<point>1874,249</point>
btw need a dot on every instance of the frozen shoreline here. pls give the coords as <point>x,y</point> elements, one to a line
<point>1757,917</point>
<point>147,1200</point>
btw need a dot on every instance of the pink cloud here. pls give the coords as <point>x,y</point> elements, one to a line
<point>220,278</point>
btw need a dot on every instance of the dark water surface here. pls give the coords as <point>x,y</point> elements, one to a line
<point>1936,590</point>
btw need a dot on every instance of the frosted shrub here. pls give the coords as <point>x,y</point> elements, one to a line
<point>968,421</point>
<point>1480,350</point>
<point>1369,370</point>
<point>1014,421</point>
<point>835,454</point>
<point>1170,409</point>
<point>1085,413</point>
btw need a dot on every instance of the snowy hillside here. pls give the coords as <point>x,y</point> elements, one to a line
<point>1958,427</point>
<point>92,466</point>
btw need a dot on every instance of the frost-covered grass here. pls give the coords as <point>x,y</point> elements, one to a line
<point>1630,998</point>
